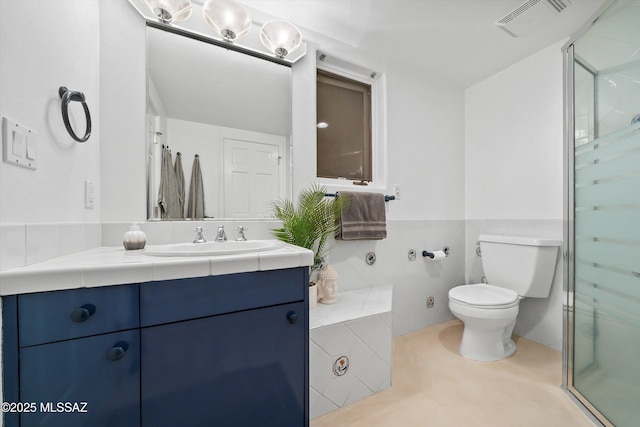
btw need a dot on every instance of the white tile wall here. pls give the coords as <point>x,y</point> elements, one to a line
<point>413,281</point>
<point>164,232</point>
<point>24,244</point>
<point>367,344</point>
<point>13,247</point>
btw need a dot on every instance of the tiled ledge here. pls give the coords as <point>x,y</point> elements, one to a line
<point>351,305</point>
<point>357,328</point>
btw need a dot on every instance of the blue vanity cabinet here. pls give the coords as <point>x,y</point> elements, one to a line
<point>72,357</point>
<point>229,350</point>
<point>235,361</point>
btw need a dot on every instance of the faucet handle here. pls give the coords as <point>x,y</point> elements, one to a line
<point>240,236</point>
<point>199,235</point>
<point>221,236</point>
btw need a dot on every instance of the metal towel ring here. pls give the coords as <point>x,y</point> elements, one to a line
<point>68,96</point>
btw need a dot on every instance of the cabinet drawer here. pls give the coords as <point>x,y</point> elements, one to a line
<point>56,316</point>
<point>176,300</point>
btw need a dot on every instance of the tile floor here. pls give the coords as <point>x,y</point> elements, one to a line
<point>432,385</point>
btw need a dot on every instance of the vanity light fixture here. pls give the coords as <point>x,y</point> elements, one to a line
<point>228,18</point>
<point>169,11</point>
<point>280,37</point>
<point>229,22</point>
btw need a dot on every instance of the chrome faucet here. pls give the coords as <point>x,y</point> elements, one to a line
<point>199,235</point>
<point>221,236</point>
<point>241,237</point>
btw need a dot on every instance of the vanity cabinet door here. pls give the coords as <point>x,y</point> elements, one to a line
<point>102,371</point>
<point>241,369</point>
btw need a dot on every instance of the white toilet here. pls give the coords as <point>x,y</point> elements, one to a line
<point>515,267</point>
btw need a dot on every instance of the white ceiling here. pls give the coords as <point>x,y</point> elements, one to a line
<point>456,40</point>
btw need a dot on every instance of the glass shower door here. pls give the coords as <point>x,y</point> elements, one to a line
<point>605,359</point>
<point>607,275</point>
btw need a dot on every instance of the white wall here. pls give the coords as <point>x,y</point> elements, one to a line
<point>425,146</point>
<point>45,45</point>
<point>123,104</point>
<point>513,141</point>
<point>514,172</point>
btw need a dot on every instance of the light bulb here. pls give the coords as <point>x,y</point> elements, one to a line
<point>227,18</point>
<point>280,37</point>
<point>170,10</point>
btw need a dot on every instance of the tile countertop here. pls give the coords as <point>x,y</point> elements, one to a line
<point>116,266</point>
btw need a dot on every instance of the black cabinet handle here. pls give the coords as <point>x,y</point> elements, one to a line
<point>117,351</point>
<point>82,313</point>
<point>292,317</point>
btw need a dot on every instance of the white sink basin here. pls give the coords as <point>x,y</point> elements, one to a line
<point>213,248</point>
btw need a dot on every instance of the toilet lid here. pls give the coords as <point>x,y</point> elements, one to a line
<point>484,295</point>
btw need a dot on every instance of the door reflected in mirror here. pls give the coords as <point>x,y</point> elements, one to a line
<point>230,110</point>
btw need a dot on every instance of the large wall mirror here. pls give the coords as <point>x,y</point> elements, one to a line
<point>229,110</point>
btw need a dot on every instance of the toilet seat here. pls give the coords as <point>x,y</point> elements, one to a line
<point>484,296</point>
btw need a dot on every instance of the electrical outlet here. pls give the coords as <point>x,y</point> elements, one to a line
<point>396,191</point>
<point>89,194</point>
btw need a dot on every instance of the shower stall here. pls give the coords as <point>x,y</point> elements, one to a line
<point>602,216</point>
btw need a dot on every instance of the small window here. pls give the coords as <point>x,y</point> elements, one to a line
<point>343,128</point>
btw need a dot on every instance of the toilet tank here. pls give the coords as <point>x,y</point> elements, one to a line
<point>523,264</point>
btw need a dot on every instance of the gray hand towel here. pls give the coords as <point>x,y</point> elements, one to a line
<point>195,207</point>
<point>363,217</point>
<point>180,182</point>
<point>168,198</point>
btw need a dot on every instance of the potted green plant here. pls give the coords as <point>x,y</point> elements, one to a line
<point>312,223</point>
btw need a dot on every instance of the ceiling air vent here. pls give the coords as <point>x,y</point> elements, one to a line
<point>530,15</point>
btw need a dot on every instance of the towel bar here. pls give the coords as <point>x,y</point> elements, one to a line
<point>386,197</point>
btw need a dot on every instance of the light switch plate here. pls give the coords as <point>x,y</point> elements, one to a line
<point>89,194</point>
<point>19,145</point>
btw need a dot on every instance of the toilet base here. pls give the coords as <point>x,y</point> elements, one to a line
<point>487,333</point>
<point>487,344</point>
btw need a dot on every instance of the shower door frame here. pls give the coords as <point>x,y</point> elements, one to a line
<point>568,326</point>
